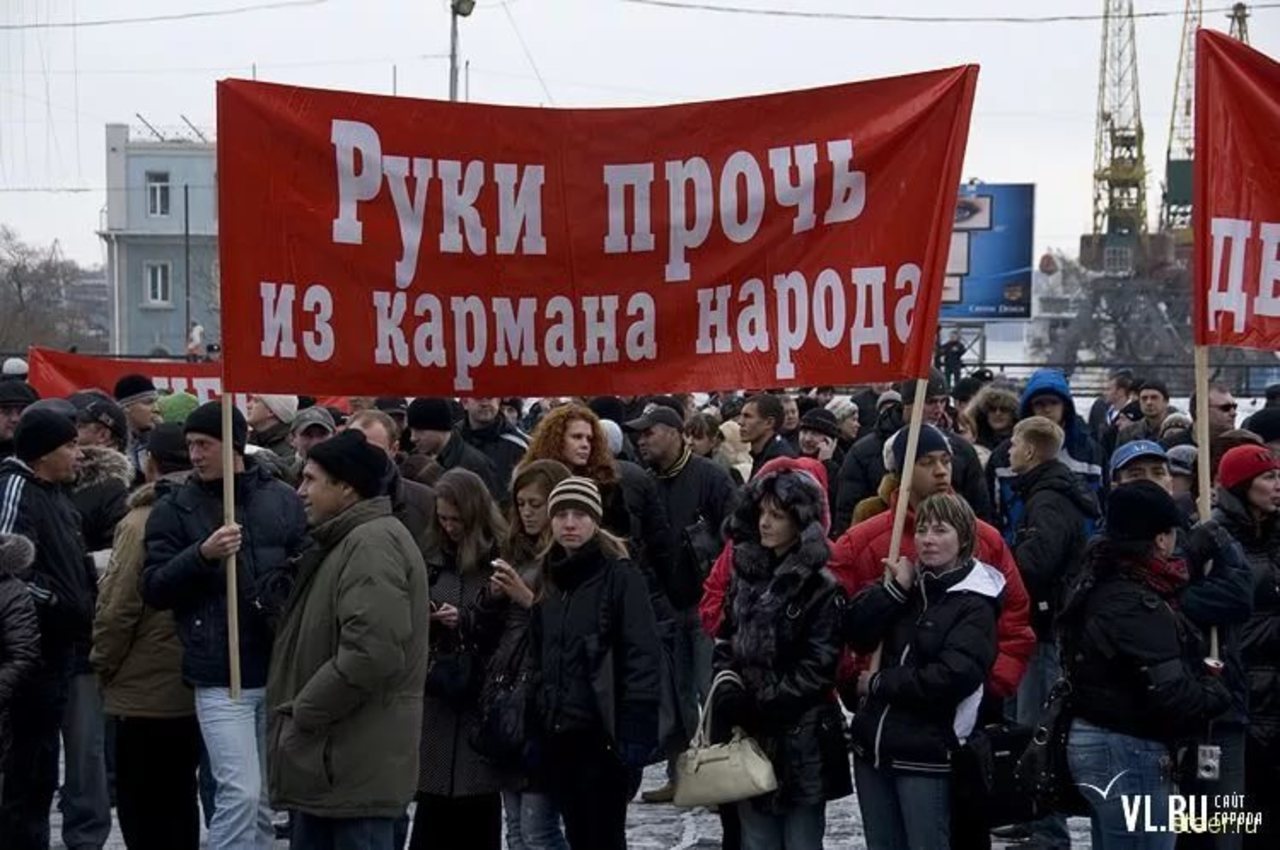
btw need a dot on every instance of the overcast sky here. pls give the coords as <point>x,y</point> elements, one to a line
<point>1033,121</point>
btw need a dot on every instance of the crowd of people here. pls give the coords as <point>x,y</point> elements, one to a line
<point>460,623</point>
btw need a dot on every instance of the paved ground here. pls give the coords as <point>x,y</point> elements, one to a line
<point>652,827</point>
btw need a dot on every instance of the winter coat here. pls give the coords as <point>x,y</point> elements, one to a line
<point>350,658</point>
<point>781,634</point>
<point>19,639</point>
<point>711,607</point>
<point>412,503</point>
<point>275,440</point>
<point>101,494</point>
<point>503,445</point>
<point>136,652</point>
<point>65,582</point>
<point>595,650</point>
<point>1261,635</point>
<point>698,489</point>
<point>987,398</point>
<point>778,446</point>
<point>458,454</point>
<point>938,642</point>
<point>1049,541</point>
<point>864,468</point>
<point>634,511</point>
<point>1135,662</point>
<point>857,561</point>
<point>178,578</point>
<point>449,765</point>
<point>1079,452</point>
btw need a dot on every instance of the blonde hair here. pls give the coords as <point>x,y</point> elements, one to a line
<point>1041,434</point>
<point>950,509</point>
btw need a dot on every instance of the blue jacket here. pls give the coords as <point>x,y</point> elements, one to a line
<point>1080,452</point>
<point>177,576</point>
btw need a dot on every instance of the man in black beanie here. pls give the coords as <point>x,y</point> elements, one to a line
<point>15,397</point>
<point>35,504</point>
<point>431,424</point>
<point>137,395</point>
<point>350,657</point>
<point>186,545</point>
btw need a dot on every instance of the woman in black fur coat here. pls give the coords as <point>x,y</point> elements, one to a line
<point>781,636</point>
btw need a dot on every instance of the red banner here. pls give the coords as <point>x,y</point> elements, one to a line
<point>377,245</point>
<point>1236,195</point>
<point>58,374</point>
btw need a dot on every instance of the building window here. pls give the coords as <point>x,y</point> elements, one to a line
<point>159,281</point>
<point>157,193</point>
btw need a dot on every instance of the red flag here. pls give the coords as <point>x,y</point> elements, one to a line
<point>1236,261</point>
<point>376,245</point>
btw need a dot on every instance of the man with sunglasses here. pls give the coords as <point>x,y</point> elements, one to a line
<point>1222,410</point>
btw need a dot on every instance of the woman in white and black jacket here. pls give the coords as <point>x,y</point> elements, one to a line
<point>781,635</point>
<point>935,621</point>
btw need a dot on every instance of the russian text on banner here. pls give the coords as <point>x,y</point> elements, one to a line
<point>376,245</point>
<point>1236,276</point>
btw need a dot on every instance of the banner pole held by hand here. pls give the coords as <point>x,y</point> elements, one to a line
<point>229,518</point>
<point>904,484</point>
<point>1204,480</point>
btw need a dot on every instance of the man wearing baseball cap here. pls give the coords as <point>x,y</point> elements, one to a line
<point>187,543</point>
<point>311,428</point>
<point>1141,460</point>
<point>34,503</point>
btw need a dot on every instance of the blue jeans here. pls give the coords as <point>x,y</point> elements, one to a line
<point>1230,737</point>
<point>533,822</point>
<point>798,828</point>
<point>234,735</point>
<point>692,659</point>
<point>84,801</point>
<point>316,833</point>
<point>1136,776</point>
<point>903,811</point>
<point>1043,670</point>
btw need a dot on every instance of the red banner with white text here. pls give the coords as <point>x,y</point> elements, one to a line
<point>57,374</point>
<point>1236,195</point>
<point>375,245</point>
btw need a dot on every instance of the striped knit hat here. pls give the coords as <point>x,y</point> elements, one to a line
<point>575,492</point>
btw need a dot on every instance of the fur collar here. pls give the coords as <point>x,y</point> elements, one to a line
<point>100,464</point>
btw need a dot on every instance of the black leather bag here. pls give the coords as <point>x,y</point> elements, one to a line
<point>455,678</point>
<point>1043,771</point>
<point>700,545</point>
<point>505,701</point>
<point>985,775</point>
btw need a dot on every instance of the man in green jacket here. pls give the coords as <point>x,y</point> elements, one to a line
<point>349,660</point>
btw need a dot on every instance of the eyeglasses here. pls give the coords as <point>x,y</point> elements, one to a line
<point>1230,407</point>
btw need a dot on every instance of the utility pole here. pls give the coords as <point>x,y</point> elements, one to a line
<point>457,9</point>
<point>186,260</point>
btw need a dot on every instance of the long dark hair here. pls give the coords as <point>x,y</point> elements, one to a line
<point>519,548</point>
<point>483,525</point>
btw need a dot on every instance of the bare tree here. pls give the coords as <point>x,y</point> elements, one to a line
<point>33,296</point>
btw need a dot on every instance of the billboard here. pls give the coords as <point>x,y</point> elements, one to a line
<point>989,265</point>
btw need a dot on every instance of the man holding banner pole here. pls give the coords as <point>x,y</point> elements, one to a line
<point>213,538</point>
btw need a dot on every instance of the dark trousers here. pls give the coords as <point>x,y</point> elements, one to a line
<point>316,833</point>
<point>730,828</point>
<point>1230,782</point>
<point>457,823</point>
<point>1262,778</point>
<point>31,767</point>
<point>592,789</point>
<point>156,763</point>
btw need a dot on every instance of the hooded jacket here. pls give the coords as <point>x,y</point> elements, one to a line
<point>781,634</point>
<point>136,652</point>
<point>350,659</point>
<point>938,644</point>
<point>1079,452</point>
<point>864,468</point>
<point>178,578</point>
<point>857,560</point>
<point>1049,541</point>
<point>19,629</point>
<point>63,578</point>
<point>101,494</point>
<point>503,445</point>
<point>275,440</point>
<point>987,398</point>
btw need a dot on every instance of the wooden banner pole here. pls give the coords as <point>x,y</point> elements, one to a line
<point>1204,477</point>
<point>904,484</point>
<point>229,518</point>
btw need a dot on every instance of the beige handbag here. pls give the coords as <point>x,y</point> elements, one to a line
<point>714,774</point>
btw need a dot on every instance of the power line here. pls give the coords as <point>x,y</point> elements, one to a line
<point>74,24</point>
<point>214,69</point>
<point>528,54</point>
<point>920,19</point>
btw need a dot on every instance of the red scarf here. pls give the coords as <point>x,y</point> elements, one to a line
<point>1166,576</point>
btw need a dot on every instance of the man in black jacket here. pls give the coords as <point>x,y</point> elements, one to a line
<point>431,423</point>
<point>1048,546</point>
<point>412,503</point>
<point>487,430</point>
<point>863,466</point>
<point>761,421</point>
<point>187,544</point>
<point>697,494</point>
<point>34,503</point>
<point>15,397</point>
